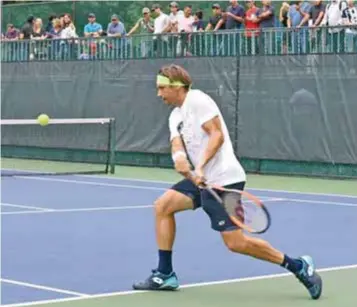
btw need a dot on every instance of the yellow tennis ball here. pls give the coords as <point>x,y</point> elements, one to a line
<point>43,119</point>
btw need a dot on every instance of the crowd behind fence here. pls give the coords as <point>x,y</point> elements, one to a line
<point>276,41</point>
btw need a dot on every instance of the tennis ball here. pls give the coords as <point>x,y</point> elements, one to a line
<point>43,119</point>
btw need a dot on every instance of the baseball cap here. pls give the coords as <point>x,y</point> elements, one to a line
<point>174,4</point>
<point>114,16</point>
<point>91,15</point>
<point>146,10</point>
<point>216,6</point>
<point>155,6</point>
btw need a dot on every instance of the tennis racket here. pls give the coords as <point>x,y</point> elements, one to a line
<point>244,209</point>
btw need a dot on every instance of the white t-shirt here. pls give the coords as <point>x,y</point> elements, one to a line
<point>198,108</point>
<point>160,23</point>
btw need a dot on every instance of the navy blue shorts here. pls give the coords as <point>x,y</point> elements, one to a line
<point>220,220</point>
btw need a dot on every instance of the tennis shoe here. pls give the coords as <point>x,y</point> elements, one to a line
<point>309,277</point>
<point>158,281</point>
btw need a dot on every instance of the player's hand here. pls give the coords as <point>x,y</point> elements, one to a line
<point>182,166</point>
<point>199,178</point>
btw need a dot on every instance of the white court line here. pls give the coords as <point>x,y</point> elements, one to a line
<point>164,189</point>
<point>40,287</point>
<point>25,207</point>
<point>77,210</point>
<point>341,204</point>
<point>194,285</point>
<point>248,188</point>
<point>149,206</point>
<point>95,183</point>
<point>172,182</point>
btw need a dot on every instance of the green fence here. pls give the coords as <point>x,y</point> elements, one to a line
<point>219,44</point>
<point>278,41</point>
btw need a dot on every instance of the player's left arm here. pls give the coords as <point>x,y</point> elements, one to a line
<point>213,129</point>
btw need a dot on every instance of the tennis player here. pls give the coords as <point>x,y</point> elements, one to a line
<point>211,153</point>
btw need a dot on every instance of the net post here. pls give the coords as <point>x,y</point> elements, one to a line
<point>112,139</point>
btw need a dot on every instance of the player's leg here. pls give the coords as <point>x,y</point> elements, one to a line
<point>303,268</point>
<point>182,196</point>
<point>238,242</point>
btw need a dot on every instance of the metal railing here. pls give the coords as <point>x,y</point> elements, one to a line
<point>275,41</point>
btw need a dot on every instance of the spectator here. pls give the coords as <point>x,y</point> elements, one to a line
<point>266,20</point>
<point>265,15</point>
<point>56,30</point>
<point>214,21</point>
<point>68,28</point>
<point>116,28</point>
<point>145,25</point>
<point>317,12</point>
<point>283,14</point>
<point>92,29</point>
<point>351,33</point>
<point>38,50</point>
<point>234,15</point>
<point>251,28</point>
<point>174,16</point>
<point>12,33</point>
<point>185,22</point>
<point>185,27</point>
<point>198,24</point>
<point>198,39</point>
<point>49,26</point>
<point>298,16</point>
<point>161,25</point>
<point>38,32</point>
<point>283,18</point>
<point>335,15</point>
<point>27,28</point>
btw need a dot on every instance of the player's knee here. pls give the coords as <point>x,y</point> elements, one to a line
<point>161,207</point>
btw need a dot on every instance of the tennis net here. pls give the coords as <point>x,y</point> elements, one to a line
<point>63,147</point>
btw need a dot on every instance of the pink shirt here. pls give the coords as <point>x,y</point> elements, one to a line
<point>185,23</point>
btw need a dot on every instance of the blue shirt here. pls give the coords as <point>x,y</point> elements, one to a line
<point>92,27</point>
<point>231,23</point>
<point>116,28</point>
<point>295,16</point>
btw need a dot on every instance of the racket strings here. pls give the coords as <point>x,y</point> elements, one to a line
<point>246,210</point>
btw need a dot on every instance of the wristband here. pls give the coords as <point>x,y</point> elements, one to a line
<point>178,154</point>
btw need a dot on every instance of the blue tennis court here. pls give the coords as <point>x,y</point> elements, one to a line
<point>73,239</point>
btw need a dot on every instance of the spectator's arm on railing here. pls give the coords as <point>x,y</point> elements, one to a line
<point>305,18</point>
<point>208,27</point>
<point>219,24</point>
<point>324,19</point>
<point>134,29</point>
<point>319,19</point>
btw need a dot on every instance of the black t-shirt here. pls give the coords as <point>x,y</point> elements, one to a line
<point>213,20</point>
<point>316,10</point>
<point>39,34</point>
<point>27,30</point>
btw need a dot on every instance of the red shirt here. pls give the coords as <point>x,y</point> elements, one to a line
<point>251,27</point>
